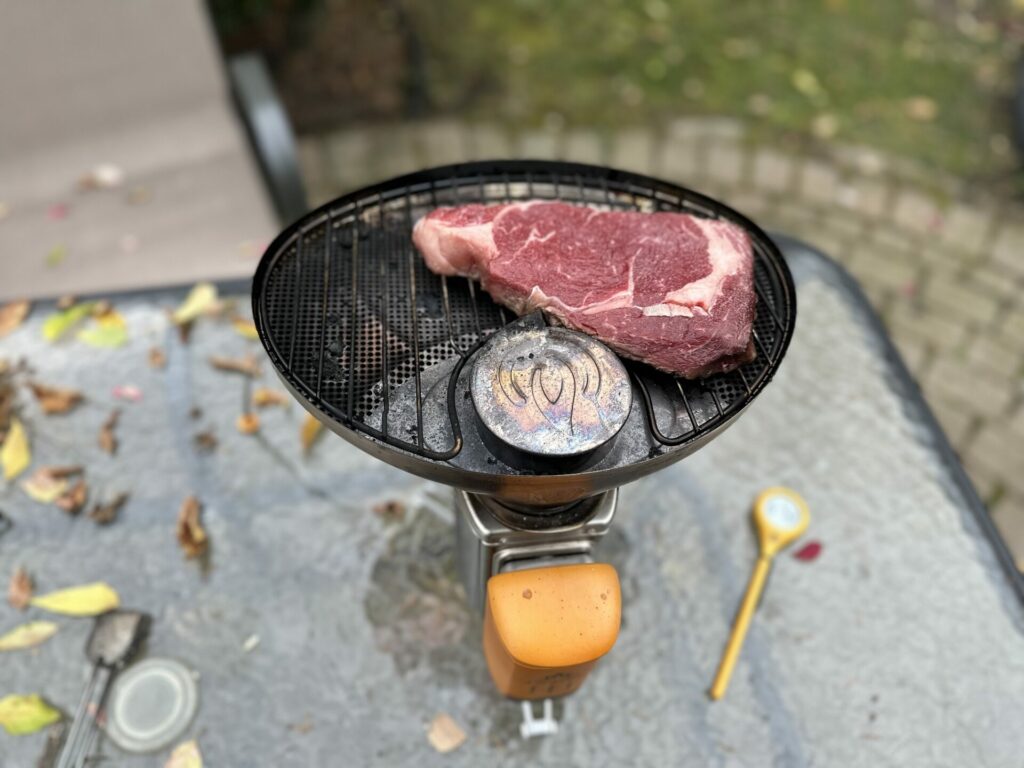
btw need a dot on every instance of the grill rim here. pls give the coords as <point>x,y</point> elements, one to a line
<point>433,464</point>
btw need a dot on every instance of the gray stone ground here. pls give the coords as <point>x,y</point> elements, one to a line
<point>944,267</point>
<point>899,646</point>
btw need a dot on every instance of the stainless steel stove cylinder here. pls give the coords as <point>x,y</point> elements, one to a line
<point>492,538</point>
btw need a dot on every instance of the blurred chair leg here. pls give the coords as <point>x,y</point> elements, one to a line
<point>270,133</point>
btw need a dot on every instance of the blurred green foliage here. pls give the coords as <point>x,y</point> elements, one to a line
<point>923,78</point>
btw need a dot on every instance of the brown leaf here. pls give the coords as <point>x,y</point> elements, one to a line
<point>12,315</point>
<point>105,514</point>
<point>74,498</point>
<point>157,358</point>
<point>19,591</point>
<point>390,511</point>
<point>304,726</point>
<point>310,431</point>
<point>65,472</point>
<point>66,301</point>
<point>44,486</point>
<point>248,424</point>
<point>205,441</point>
<point>191,535</point>
<point>107,440</point>
<point>445,734</point>
<point>262,397</point>
<point>248,365</point>
<point>921,108</point>
<point>53,399</point>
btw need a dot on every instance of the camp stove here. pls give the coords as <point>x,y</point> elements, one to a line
<point>535,426</point>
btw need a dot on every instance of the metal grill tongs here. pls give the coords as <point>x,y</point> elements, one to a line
<point>114,640</point>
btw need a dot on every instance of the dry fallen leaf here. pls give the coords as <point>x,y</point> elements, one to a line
<point>921,108</point>
<point>303,726</point>
<point>138,195</point>
<point>186,755</point>
<point>108,330</point>
<point>157,358</point>
<point>19,591</point>
<point>205,441</point>
<point>44,486</point>
<point>26,714</point>
<point>390,511</point>
<point>445,734</point>
<point>245,328</point>
<point>310,431</point>
<point>103,176</point>
<point>105,514</point>
<point>201,300</point>
<point>54,399</point>
<point>191,535</point>
<point>247,365</point>
<point>86,600</point>
<point>59,323</point>
<point>107,440</point>
<point>27,635</point>
<point>15,454</point>
<point>248,424</point>
<point>807,83</point>
<point>12,315</point>
<point>74,498</point>
<point>262,397</point>
<point>56,255</point>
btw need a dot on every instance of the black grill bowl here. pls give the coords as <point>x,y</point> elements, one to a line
<point>376,346</point>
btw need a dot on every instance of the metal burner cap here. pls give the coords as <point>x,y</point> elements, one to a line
<point>550,391</point>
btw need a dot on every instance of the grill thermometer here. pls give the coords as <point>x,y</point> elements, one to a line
<point>780,516</point>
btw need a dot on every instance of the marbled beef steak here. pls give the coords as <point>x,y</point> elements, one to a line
<point>672,290</point>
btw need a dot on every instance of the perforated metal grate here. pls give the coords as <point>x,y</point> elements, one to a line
<point>349,312</point>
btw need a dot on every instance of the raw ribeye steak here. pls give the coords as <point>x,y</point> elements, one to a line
<point>672,290</point>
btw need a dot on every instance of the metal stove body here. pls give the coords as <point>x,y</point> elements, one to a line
<point>535,426</point>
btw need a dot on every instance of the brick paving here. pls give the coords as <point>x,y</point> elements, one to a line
<point>942,265</point>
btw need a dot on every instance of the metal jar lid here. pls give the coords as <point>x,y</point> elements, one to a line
<point>151,705</point>
<point>550,392</point>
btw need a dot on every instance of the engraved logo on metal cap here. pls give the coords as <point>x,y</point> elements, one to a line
<point>551,391</point>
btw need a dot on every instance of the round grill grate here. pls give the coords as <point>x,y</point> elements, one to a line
<point>350,314</point>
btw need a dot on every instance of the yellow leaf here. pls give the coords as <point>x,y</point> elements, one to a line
<point>43,486</point>
<point>15,454</point>
<point>59,323</point>
<point>86,600</point>
<point>245,328</point>
<point>200,300</point>
<point>807,83</point>
<point>110,330</point>
<point>311,429</point>
<point>248,423</point>
<point>103,337</point>
<point>185,755</point>
<point>262,397</point>
<point>27,635</point>
<point>26,714</point>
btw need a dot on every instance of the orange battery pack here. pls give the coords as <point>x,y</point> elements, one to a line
<point>545,628</point>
